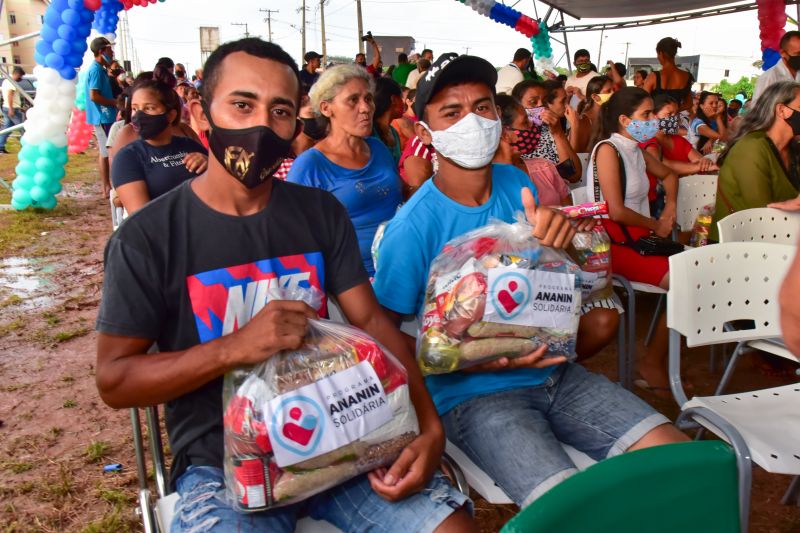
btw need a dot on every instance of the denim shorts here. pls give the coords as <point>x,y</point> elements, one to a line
<point>352,506</point>
<point>515,436</point>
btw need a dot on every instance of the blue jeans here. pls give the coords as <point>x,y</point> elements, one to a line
<point>352,506</point>
<point>515,436</point>
<point>18,118</point>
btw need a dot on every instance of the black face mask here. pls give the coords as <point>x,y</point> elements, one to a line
<point>251,155</point>
<point>794,121</point>
<point>794,62</point>
<point>149,126</point>
<point>180,73</point>
<point>313,128</point>
<point>116,72</point>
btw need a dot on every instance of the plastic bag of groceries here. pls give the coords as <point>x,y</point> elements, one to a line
<point>593,253</point>
<point>306,420</point>
<point>495,292</point>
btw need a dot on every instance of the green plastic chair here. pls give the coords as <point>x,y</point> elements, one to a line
<point>686,487</point>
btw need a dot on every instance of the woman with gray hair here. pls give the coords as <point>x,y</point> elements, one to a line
<point>356,168</point>
<point>762,162</point>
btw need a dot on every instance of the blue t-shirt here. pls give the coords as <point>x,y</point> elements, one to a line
<point>414,238</point>
<point>97,78</point>
<point>370,194</point>
<point>161,167</point>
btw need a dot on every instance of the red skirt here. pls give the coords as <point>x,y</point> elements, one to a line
<point>627,262</point>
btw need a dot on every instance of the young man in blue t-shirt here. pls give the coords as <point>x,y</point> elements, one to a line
<point>510,415</point>
<point>101,108</point>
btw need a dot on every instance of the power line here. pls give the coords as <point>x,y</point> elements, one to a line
<point>246,32</point>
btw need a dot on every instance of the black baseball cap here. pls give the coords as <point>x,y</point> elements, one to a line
<point>98,44</point>
<point>311,55</point>
<point>449,69</point>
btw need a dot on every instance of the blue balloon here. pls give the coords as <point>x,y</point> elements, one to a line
<point>39,58</point>
<point>44,48</point>
<point>71,17</point>
<point>53,16</point>
<point>49,33</point>
<point>68,73</point>
<point>74,60</point>
<point>61,47</point>
<point>79,47</point>
<point>66,32</point>
<point>60,5</point>
<point>76,4</point>
<point>54,61</point>
<point>770,57</point>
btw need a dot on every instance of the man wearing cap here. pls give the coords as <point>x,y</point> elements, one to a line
<point>512,74</point>
<point>12,105</point>
<point>509,415</point>
<point>308,74</point>
<point>101,108</point>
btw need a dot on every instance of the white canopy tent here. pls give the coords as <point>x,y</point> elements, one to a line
<point>636,14</point>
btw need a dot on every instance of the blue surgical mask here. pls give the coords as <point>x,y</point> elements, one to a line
<point>643,130</point>
<point>107,58</point>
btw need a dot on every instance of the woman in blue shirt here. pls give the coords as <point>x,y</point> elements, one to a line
<point>356,168</point>
<point>710,124</point>
<point>158,161</point>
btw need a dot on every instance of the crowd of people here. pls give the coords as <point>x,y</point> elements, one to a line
<point>265,166</point>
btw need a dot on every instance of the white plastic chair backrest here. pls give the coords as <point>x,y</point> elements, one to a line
<point>716,284</point>
<point>580,196</point>
<point>762,224</point>
<point>582,182</point>
<point>694,192</point>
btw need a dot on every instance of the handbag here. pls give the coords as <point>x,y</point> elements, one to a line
<point>647,245</point>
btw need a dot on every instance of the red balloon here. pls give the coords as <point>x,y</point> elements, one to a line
<point>92,5</point>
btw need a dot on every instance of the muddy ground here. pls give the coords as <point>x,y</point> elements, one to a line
<point>55,433</point>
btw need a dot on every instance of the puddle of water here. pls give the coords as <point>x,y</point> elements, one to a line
<point>23,277</point>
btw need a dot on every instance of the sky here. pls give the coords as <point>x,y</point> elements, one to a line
<point>171,28</point>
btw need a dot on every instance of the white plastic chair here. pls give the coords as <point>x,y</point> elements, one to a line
<point>584,163</point>
<point>580,195</point>
<point>710,288</point>
<point>694,192</point>
<point>763,224</point>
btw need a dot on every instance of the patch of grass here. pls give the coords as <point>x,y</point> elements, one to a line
<point>26,487</point>
<point>19,229</point>
<point>64,336</point>
<point>69,404</point>
<point>14,299</point>
<point>52,434</point>
<point>60,487</point>
<point>97,451</point>
<point>114,496</point>
<point>16,387</point>
<point>17,467</point>
<point>115,520</point>
<point>14,325</point>
<point>51,318</point>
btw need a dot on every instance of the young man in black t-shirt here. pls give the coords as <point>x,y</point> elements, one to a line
<point>190,272</point>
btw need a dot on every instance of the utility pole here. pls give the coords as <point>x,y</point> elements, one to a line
<point>466,50</point>
<point>324,44</point>
<point>626,54</point>
<point>304,30</point>
<point>360,27</point>
<point>246,33</point>
<point>269,13</point>
<point>600,51</point>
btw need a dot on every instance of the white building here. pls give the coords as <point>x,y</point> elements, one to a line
<point>707,69</point>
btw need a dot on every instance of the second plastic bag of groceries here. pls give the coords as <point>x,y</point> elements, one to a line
<point>306,420</point>
<point>495,292</point>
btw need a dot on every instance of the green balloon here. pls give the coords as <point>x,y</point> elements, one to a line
<point>41,178</point>
<point>54,187</point>
<point>39,194</point>
<point>48,203</point>
<point>24,181</point>
<point>22,197</point>
<point>25,167</point>
<point>46,164</point>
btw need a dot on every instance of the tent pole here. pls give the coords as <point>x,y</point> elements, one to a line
<point>566,46</point>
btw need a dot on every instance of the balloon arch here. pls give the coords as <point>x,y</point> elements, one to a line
<point>56,125</point>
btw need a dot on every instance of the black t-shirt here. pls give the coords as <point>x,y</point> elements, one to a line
<point>181,273</point>
<point>307,79</point>
<point>161,167</point>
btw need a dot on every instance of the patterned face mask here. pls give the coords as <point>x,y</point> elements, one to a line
<point>669,125</point>
<point>643,130</point>
<point>527,141</point>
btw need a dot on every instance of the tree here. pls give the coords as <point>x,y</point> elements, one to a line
<point>729,90</point>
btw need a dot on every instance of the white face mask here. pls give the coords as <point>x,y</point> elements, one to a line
<point>470,143</point>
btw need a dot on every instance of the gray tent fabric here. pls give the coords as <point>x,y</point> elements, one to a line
<point>640,8</point>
